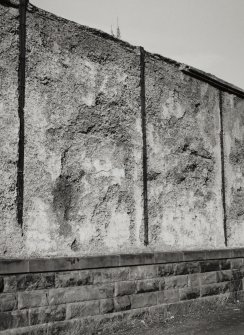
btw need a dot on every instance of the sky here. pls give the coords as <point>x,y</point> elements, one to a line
<point>206,34</point>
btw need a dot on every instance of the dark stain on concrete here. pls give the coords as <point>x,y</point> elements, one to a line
<point>64,200</point>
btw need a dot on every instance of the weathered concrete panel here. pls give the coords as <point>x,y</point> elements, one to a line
<point>233,122</point>
<point>10,232</point>
<point>184,162</point>
<point>83,185</point>
<point>83,147</point>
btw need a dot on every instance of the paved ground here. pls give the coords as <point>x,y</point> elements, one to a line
<point>229,321</point>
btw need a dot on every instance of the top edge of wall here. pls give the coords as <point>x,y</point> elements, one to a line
<point>189,70</point>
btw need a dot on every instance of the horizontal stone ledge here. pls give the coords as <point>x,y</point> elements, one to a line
<point>32,265</point>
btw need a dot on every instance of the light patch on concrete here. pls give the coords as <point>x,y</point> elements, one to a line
<point>117,232</point>
<point>172,107</point>
<point>204,89</point>
<point>85,73</point>
<point>86,233</point>
<point>41,235</point>
<point>138,196</point>
<point>53,165</point>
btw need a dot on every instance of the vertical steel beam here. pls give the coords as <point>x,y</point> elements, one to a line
<point>144,143</point>
<point>21,104</point>
<point>223,187</point>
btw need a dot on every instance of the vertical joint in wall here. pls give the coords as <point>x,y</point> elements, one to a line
<point>144,143</point>
<point>223,168</point>
<point>21,104</point>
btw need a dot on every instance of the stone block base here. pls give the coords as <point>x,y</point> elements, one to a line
<point>78,296</point>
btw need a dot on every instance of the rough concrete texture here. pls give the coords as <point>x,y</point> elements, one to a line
<point>233,124</point>
<point>10,233</point>
<point>83,167</point>
<point>184,158</point>
<point>83,185</point>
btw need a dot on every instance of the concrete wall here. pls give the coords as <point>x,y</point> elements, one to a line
<point>233,116</point>
<point>11,241</point>
<point>83,174</point>
<point>83,148</point>
<point>183,126</point>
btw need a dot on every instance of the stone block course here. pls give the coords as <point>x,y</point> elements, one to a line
<point>225,264</point>
<point>215,289</point>
<point>236,263</point>
<point>236,285</point>
<point>124,288</point>
<point>72,263</point>
<point>83,263</point>
<point>14,266</point>
<point>52,297</point>
<point>30,299</point>
<point>122,303</point>
<point>168,296</point>
<point>28,282</point>
<point>225,275</point>
<point>106,306</point>
<point>144,272</point>
<point>149,285</point>
<point>30,330</point>
<point>165,270</point>
<point>8,302</point>
<point>237,252</point>
<point>210,265</point>
<point>82,293</point>
<point>186,268</point>
<point>219,254</point>
<point>193,255</point>
<point>47,314</point>
<point>176,282</point>
<point>47,264</point>
<point>143,300</point>
<point>82,309</point>
<point>168,257</point>
<point>10,284</point>
<point>110,275</point>
<point>237,274</point>
<point>73,278</point>
<point>208,278</point>
<point>189,293</point>
<point>161,284</point>
<point>14,319</point>
<point>130,259</point>
<point>194,280</point>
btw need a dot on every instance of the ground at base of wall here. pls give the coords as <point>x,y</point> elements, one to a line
<point>225,319</point>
